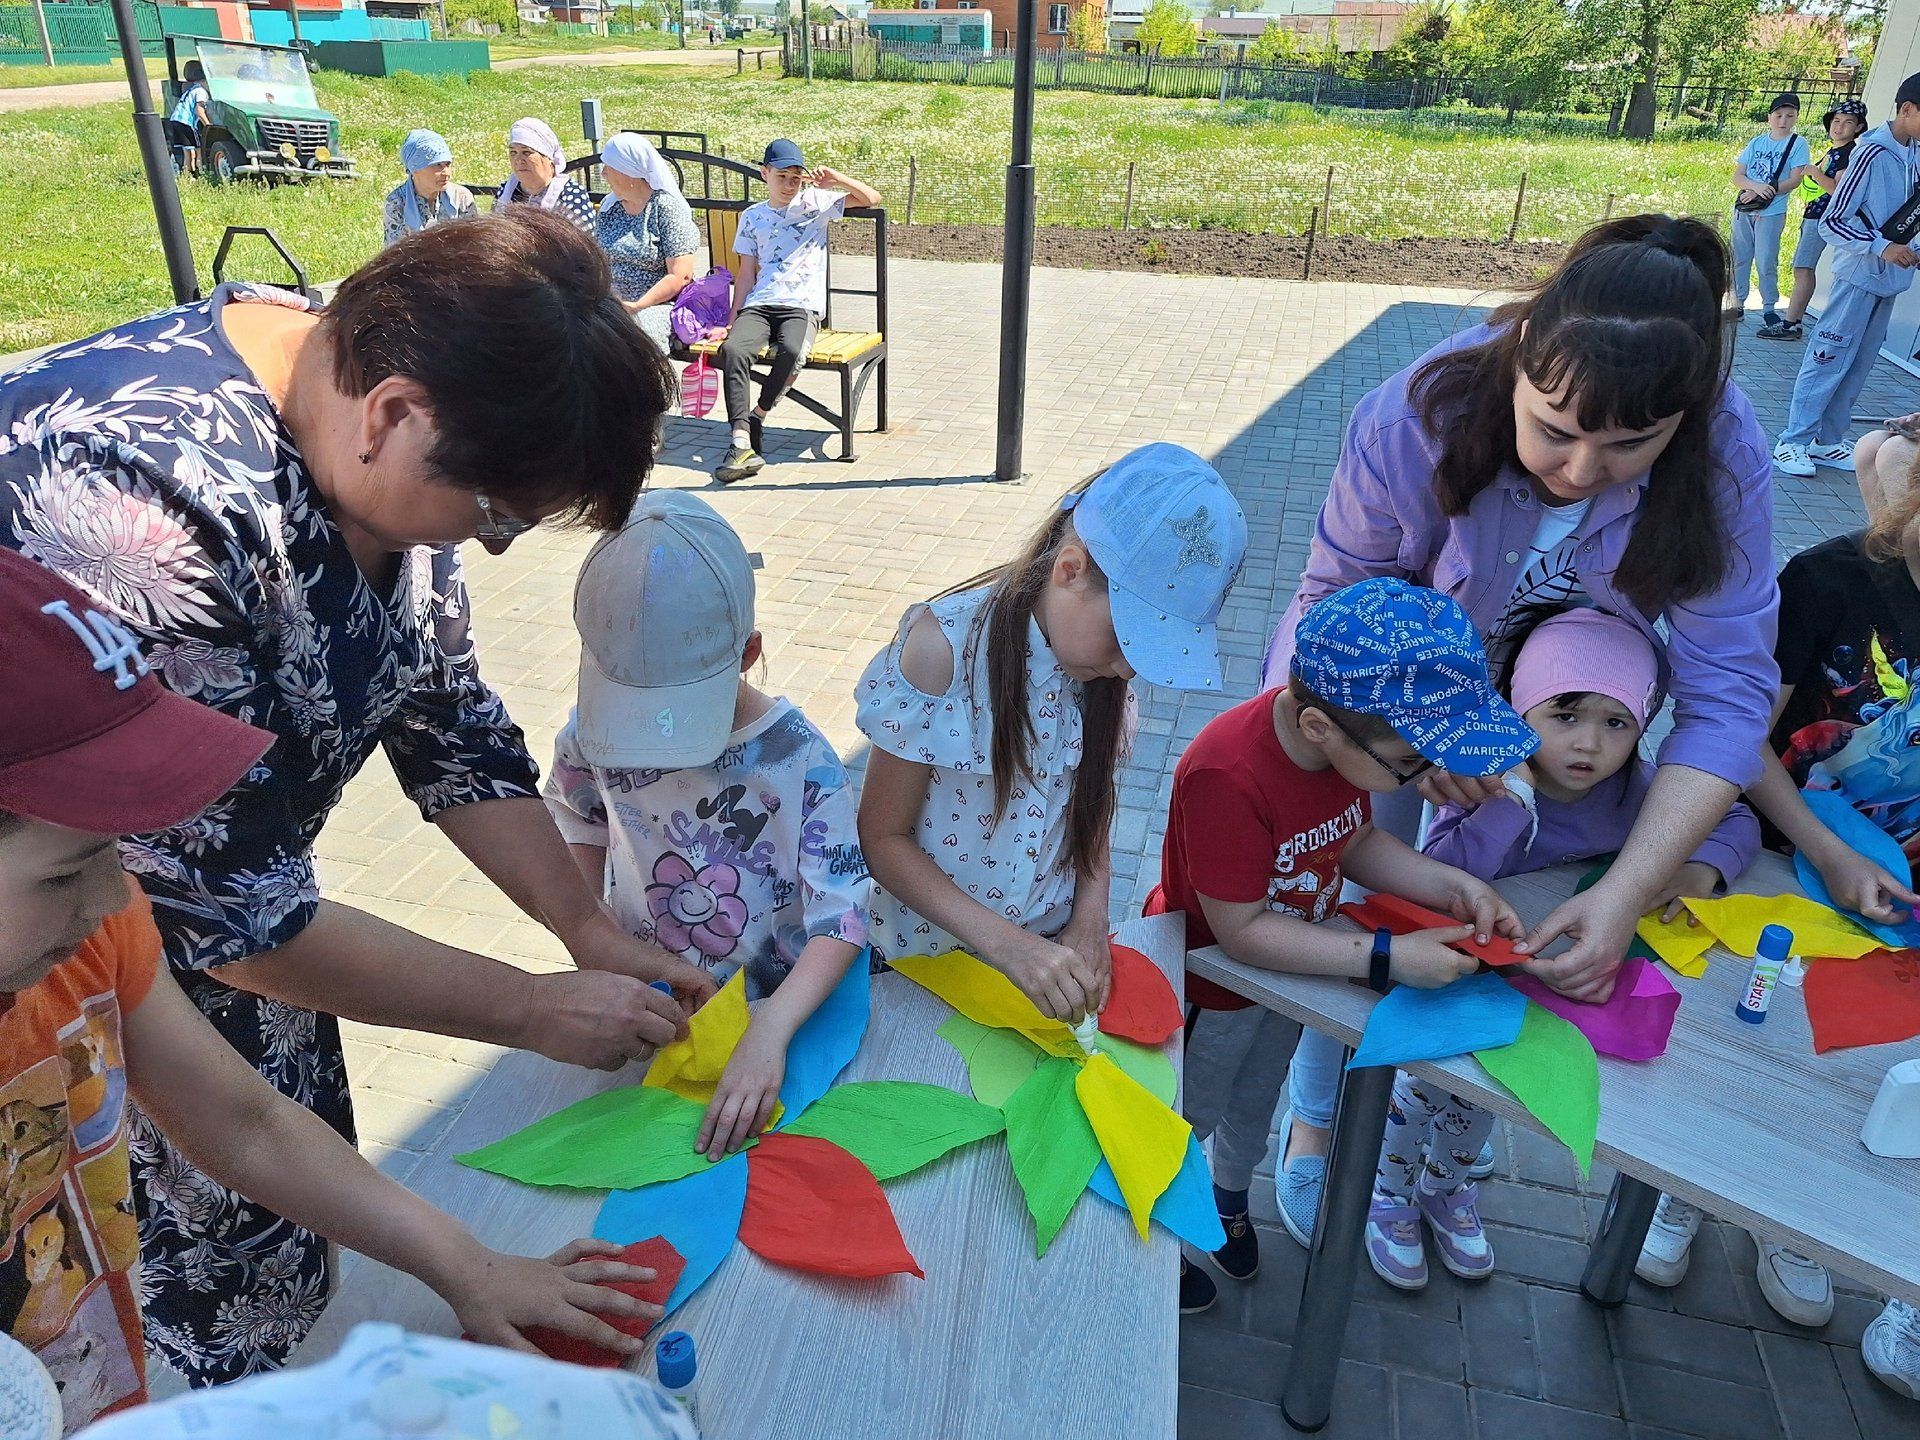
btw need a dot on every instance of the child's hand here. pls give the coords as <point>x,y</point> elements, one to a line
<point>1478,904</point>
<point>1055,977</point>
<point>497,1297</point>
<point>1523,772</point>
<point>1694,880</point>
<point>718,332</point>
<point>743,1101</point>
<point>1426,959</point>
<point>1091,941</point>
<point>1856,883</point>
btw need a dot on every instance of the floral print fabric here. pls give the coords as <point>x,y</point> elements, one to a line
<point>731,865</point>
<point>147,466</point>
<point>1014,864</point>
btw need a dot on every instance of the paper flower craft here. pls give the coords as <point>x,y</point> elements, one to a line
<point>805,1194</point>
<point>1077,1120</point>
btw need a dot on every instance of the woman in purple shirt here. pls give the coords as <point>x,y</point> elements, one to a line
<point>1585,446</point>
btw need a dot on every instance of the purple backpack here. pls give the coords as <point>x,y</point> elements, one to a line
<point>704,305</point>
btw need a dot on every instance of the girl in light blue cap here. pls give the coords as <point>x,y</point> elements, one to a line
<point>428,195</point>
<point>1001,711</point>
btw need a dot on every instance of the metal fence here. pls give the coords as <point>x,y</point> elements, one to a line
<point>91,27</point>
<point>1280,199</point>
<point>1582,107</point>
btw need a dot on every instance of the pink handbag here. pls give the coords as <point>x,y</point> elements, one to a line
<point>699,387</point>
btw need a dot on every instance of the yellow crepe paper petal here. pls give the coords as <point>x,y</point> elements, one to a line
<point>1145,1143</point>
<point>1737,920</point>
<point>985,996</point>
<point>692,1067</point>
<point>1681,945</point>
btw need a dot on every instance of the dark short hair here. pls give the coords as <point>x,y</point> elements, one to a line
<point>1358,725</point>
<point>543,389</point>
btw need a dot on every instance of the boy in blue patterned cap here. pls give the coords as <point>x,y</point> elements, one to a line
<point>1270,814</point>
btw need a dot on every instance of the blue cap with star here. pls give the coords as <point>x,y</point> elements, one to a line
<point>1170,536</point>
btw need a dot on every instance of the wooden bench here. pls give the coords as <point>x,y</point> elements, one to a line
<point>709,182</point>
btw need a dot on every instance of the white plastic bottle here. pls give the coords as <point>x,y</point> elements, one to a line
<point>677,1366</point>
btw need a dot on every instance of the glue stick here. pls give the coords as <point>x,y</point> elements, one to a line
<point>677,1368</point>
<point>1776,943</point>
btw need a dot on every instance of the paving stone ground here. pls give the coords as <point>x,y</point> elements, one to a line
<point>1258,375</point>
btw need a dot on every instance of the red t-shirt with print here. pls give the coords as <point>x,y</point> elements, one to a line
<point>68,1237</point>
<point>1249,824</point>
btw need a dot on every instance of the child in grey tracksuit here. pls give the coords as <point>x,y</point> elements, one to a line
<point>1869,271</point>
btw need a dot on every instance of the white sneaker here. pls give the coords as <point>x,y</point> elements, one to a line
<point>1484,1164</point>
<point>1891,1347</point>
<point>1663,1258</point>
<point>1793,460</point>
<point>1797,1288</point>
<point>1834,457</point>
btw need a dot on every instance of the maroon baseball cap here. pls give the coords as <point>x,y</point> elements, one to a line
<point>89,738</point>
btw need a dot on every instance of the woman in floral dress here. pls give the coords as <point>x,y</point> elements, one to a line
<point>272,499</point>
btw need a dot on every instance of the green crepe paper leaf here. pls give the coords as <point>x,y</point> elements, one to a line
<point>998,1061</point>
<point>1051,1145</point>
<point>1552,1071</point>
<point>1148,1066</point>
<point>893,1127</point>
<point>617,1140</point>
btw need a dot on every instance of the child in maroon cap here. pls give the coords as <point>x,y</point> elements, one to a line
<point>91,747</point>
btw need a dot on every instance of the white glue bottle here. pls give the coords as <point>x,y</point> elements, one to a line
<point>1776,944</point>
<point>677,1368</point>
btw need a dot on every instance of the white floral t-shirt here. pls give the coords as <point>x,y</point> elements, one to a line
<point>1016,865</point>
<point>790,247</point>
<point>729,865</point>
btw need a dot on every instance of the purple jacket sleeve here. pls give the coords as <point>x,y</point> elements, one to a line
<point>1478,841</point>
<point>1720,646</point>
<point>1359,532</point>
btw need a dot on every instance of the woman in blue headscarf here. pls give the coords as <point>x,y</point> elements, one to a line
<point>428,196</point>
<point>648,231</point>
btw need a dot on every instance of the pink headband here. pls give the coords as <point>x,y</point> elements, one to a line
<point>1586,650</point>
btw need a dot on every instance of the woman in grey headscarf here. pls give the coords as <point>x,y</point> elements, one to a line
<point>428,196</point>
<point>540,175</point>
<point>647,229</point>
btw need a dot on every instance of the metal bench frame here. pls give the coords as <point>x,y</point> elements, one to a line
<point>707,180</point>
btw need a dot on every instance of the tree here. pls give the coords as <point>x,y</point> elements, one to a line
<point>1275,45</point>
<point>1519,49</point>
<point>1654,37</point>
<point>1170,26</point>
<point>1086,29</point>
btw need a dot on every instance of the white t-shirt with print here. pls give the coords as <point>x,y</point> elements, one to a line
<point>1549,576</point>
<point>790,248</point>
<point>1016,866</point>
<point>737,863</point>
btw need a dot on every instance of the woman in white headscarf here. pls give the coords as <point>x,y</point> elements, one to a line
<point>540,175</point>
<point>647,229</point>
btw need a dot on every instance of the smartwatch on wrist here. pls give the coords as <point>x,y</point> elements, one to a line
<point>1380,961</point>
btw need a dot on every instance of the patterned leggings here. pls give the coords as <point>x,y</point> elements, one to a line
<point>1432,1139</point>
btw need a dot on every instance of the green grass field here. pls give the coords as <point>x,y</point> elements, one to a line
<point>83,252</point>
<point>23,77</point>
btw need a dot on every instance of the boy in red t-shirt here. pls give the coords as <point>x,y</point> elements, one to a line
<point>91,747</point>
<point>1270,813</point>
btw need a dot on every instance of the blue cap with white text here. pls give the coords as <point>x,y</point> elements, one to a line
<point>1410,656</point>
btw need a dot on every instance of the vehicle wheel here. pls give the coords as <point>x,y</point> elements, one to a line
<point>227,158</point>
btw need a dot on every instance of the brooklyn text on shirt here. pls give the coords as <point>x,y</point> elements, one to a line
<point>1320,837</point>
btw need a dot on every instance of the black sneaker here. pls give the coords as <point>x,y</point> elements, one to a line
<point>1239,1258</point>
<point>1781,330</point>
<point>1197,1290</point>
<point>739,464</point>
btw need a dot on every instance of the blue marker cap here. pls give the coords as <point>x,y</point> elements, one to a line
<point>1776,943</point>
<point>665,989</point>
<point>674,1360</point>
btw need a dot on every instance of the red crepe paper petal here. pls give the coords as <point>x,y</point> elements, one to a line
<point>1874,1000</point>
<point>1403,916</point>
<point>812,1206</point>
<point>1141,1006</point>
<point>656,1254</point>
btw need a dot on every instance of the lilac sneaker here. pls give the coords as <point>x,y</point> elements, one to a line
<point>1455,1221</point>
<point>1393,1245</point>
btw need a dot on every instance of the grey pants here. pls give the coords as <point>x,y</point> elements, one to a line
<point>1236,1067</point>
<point>1840,353</point>
<point>1756,241</point>
<point>789,329</point>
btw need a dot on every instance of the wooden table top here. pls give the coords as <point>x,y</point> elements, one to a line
<point>1743,1120</point>
<point>992,1344</point>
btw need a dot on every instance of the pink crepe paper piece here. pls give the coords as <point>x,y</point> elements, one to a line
<point>1634,1023</point>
